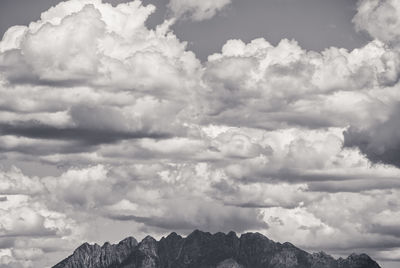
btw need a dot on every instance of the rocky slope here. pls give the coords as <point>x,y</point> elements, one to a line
<point>205,250</point>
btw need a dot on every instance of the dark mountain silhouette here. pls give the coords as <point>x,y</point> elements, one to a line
<point>205,250</point>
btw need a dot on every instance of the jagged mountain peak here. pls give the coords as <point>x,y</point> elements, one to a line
<point>128,241</point>
<point>205,250</point>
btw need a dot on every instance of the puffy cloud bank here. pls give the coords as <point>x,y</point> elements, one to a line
<point>300,145</point>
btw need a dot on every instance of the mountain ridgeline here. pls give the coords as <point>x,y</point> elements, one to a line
<point>205,250</point>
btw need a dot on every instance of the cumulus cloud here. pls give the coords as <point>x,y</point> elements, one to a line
<point>14,182</point>
<point>265,86</point>
<point>27,219</point>
<point>318,221</point>
<point>380,19</point>
<point>145,137</point>
<point>90,47</point>
<point>196,10</point>
<point>97,83</point>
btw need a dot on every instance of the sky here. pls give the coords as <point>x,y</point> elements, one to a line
<point>146,117</point>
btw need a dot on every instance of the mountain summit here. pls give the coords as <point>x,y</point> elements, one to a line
<point>205,250</point>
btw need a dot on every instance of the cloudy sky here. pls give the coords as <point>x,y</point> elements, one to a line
<point>126,119</point>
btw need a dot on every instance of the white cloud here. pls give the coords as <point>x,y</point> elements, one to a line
<point>14,182</point>
<point>32,228</point>
<point>105,72</point>
<point>197,10</point>
<point>261,85</point>
<point>147,138</point>
<point>96,43</point>
<point>380,18</point>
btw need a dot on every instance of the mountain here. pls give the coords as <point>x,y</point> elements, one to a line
<point>205,250</point>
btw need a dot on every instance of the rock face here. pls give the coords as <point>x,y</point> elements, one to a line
<point>94,256</point>
<point>205,250</point>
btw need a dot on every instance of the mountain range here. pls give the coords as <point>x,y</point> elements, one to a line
<point>206,250</point>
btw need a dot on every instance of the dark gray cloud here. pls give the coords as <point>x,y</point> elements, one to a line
<point>82,135</point>
<point>296,175</point>
<point>47,148</point>
<point>380,142</point>
<point>355,185</point>
<point>391,230</point>
<point>6,242</point>
<point>197,214</point>
<point>168,224</point>
<point>260,204</point>
<point>361,246</point>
